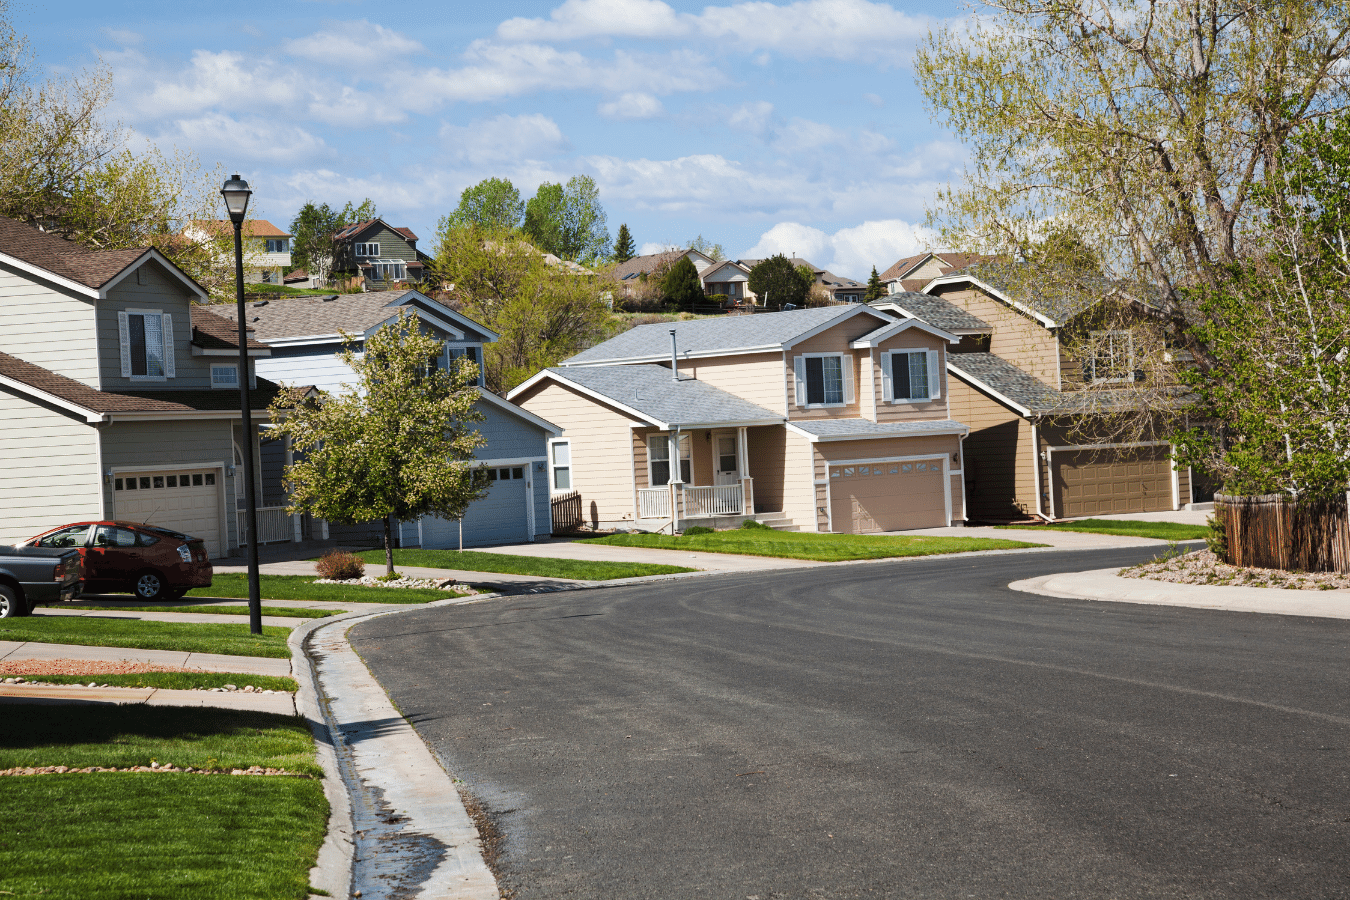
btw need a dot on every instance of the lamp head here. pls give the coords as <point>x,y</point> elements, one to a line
<point>236,194</point>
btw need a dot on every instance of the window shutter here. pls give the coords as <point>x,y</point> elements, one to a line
<point>846,364</point>
<point>887,390</point>
<point>124,339</point>
<point>799,369</point>
<point>166,335</point>
<point>934,376</point>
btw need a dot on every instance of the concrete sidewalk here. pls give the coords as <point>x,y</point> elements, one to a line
<point>1106,585</point>
<point>17,651</point>
<point>281,704</point>
<point>200,618</point>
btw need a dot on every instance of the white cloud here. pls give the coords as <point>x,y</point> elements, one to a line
<point>504,138</point>
<point>354,45</point>
<point>588,18</point>
<point>248,139</point>
<point>123,36</point>
<point>875,100</point>
<point>632,105</point>
<point>850,252</point>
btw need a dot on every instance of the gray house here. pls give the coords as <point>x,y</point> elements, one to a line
<point>120,395</point>
<point>382,254</point>
<point>305,335</point>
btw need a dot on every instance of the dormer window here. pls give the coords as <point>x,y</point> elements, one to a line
<point>146,338</point>
<point>367,250</point>
<point>471,353</point>
<point>1110,358</point>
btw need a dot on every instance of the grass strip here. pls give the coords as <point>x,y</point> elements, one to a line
<point>818,547</point>
<point>133,836</point>
<point>1163,531</point>
<point>103,735</point>
<point>289,611</point>
<point>175,681</point>
<point>545,566</point>
<point>188,637</point>
<point>234,586</point>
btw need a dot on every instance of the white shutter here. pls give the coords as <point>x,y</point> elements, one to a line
<point>799,370</point>
<point>846,363</point>
<point>124,338</point>
<point>166,335</point>
<point>887,390</point>
<point>934,376</point>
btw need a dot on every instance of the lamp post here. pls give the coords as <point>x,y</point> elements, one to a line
<point>236,193</point>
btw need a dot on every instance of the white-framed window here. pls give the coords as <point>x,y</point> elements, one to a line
<point>911,376</point>
<point>224,376</point>
<point>146,339</point>
<point>269,277</point>
<point>658,460</point>
<point>388,270</point>
<point>824,379</point>
<point>278,245</point>
<point>1110,357</point>
<point>560,464</point>
<point>367,250</point>
<point>473,353</point>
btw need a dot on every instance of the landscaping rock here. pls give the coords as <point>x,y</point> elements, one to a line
<point>1203,567</point>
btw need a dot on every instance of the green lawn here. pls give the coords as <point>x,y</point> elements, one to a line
<point>289,611</point>
<point>175,681</point>
<point>234,585</point>
<point>190,637</point>
<point>549,567</point>
<point>1165,531</point>
<point>799,545</point>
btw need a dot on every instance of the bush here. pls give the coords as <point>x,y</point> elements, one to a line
<point>697,529</point>
<point>340,565</point>
<point>1217,539</point>
<point>752,525</point>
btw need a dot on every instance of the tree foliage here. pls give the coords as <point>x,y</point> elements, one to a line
<point>776,283</point>
<point>623,244</point>
<point>398,446</point>
<point>875,289</point>
<point>544,313</point>
<point>568,220</point>
<point>314,230</point>
<point>681,285</point>
<point>491,203</point>
<point>708,248</point>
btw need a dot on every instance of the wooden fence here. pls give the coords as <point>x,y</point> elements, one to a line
<point>1273,531</point>
<point>566,512</point>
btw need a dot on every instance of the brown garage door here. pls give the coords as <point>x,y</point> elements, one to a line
<point>893,496</point>
<point>1093,482</point>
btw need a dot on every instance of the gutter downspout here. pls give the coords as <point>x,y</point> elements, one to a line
<point>1036,469</point>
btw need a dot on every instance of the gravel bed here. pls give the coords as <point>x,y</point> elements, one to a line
<point>1203,567</point>
<point>153,767</point>
<point>83,667</point>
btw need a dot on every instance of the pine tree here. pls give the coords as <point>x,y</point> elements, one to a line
<point>623,245</point>
<point>875,289</point>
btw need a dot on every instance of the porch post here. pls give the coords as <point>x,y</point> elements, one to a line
<point>676,480</point>
<point>743,463</point>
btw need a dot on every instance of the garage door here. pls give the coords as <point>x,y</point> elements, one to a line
<point>498,518</point>
<point>1090,483</point>
<point>186,501</point>
<point>893,496</point>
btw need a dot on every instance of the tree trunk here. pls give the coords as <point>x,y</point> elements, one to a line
<point>388,547</point>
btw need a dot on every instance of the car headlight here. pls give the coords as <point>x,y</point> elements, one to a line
<point>184,553</point>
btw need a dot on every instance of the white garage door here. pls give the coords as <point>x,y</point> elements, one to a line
<point>187,500</point>
<point>892,496</point>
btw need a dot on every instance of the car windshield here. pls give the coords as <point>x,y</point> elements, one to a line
<point>74,536</point>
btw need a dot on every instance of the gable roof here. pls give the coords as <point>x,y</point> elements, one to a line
<point>891,329</point>
<point>511,409</point>
<point>645,265</point>
<point>213,332</point>
<point>647,392</point>
<point>715,337</point>
<point>356,228</point>
<point>323,317</point>
<point>1051,309</point>
<point>934,311</point>
<point>947,260</point>
<point>256,228</point>
<point>712,270</point>
<point>1026,395</point>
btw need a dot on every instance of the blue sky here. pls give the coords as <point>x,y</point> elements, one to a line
<point>767,126</point>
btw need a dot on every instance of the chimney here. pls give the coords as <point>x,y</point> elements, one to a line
<point>674,360</point>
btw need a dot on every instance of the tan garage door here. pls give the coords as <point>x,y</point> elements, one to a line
<point>894,496</point>
<point>1093,482</point>
<point>186,501</point>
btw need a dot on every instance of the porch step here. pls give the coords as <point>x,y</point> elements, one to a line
<point>777,522</point>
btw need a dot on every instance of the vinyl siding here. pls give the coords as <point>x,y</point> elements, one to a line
<point>49,462</point>
<point>155,289</point>
<point>48,327</point>
<point>1000,484</point>
<point>799,489</point>
<point>767,449</point>
<point>913,339</point>
<point>755,377</point>
<point>833,340</point>
<point>1018,338</point>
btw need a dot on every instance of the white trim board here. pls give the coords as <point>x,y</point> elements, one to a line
<point>993,292</point>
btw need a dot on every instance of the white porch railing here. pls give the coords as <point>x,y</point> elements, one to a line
<point>713,500</point>
<point>654,503</point>
<point>274,526</point>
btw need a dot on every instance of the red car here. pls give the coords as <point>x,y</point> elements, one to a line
<point>127,557</point>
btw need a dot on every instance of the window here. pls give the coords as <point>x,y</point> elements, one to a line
<point>658,459</point>
<point>74,536</point>
<point>388,269</point>
<point>823,380</point>
<point>277,245</point>
<point>269,277</point>
<point>367,250</point>
<point>471,354</point>
<point>560,458</point>
<point>147,344</point>
<point>224,376</point>
<point>1110,357</point>
<point>910,376</point>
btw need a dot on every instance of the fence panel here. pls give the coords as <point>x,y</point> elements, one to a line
<point>1273,531</point>
<point>566,512</point>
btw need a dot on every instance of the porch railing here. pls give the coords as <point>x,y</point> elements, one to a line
<point>654,503</point>
<point>274,525</point>
<point>713,500</point>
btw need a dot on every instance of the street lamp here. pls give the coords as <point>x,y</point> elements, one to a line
<point>236,193</point>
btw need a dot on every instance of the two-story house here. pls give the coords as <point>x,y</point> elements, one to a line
<point>267,248</point>
<point>379,253</point>
<point>827,419</point>
<point>305,335</point>
<point>120,394</point>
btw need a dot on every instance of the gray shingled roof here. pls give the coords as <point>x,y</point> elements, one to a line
<point>650,391</point>
<point>704,336</point>
<point>293,317</point>
<point>1059,308</point>
<point>1032,393</point>
<point>934,311</point>
<point>843,428</point>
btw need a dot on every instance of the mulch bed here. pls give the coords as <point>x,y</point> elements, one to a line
<point>1203,567</point>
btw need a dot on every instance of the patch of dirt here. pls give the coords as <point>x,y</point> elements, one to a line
<point>1203,567</point>
<point>35,667</point>
<point>491,837</point>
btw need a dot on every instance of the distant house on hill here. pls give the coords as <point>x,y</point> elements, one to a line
<point>267,248</point>
<point>379,253</point>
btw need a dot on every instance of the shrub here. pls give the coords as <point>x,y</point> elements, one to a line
<point>340,565</point>
<point>697,529</point>
<point>1217,539</point>
<point>752,525</point>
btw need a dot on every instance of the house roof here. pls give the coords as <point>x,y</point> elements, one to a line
<point>948,261</point>
<point>355,229</point>
<point>72,261</point>
<point>709,337</point>
<point>1053,309</point>
<point>45,384</point>
<point>649,393</point>
<point>639,265</point>
<point>323,316</point>
<point>257,228</point>
<point>856,429</point>
<point>896,326</point>
<point>934,311</point>
<point>214,332</point>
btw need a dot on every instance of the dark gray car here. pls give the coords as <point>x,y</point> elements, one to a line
<point>32,576</point>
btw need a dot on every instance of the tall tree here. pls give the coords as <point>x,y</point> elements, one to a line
<point>777,283</point>
<point>398,447</point>
<point>875,289</point>
<point>491,203</point>
<point>314,230</point>
<point>708,248</point>
<point>568,220</point>
<point>544,214</point>
<point>681,285</point>
<point>623,245</point>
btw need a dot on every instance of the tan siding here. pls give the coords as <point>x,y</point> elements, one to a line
<point>48,327</point>
<point>767,449</point>
<point>799,490</point>
<point>50,466</point>
<point>156,289</point>
<point>832,340</point>
<point>1018,338</point>
<point>887,411</point>
<point>998,473</point>
<point>1184,486</point>
<point>755,377</point>
<point>835,451</point>
<point>600,439</point>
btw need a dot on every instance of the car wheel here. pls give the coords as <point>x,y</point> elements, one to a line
<point>11,607</point>
<point>150,586</point>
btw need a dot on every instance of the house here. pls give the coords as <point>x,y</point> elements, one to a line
<point>913,272</point>
<point>120,394</point>
<point>379,253</point>
<point>1014,381</point>
<point>267,248</point>
<point>305,335</point>
<point>653,266</point>
<point>729,277</point>
<point>825,419</point>
<point>839,289</point>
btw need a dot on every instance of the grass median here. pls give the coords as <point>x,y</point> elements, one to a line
<point>135,634</point>
<point>817,547</point>
<point>292,612</point>
<point>543,566</point>
<point>234,585</point>
<point>1163,531</point>
<point>175,681</point>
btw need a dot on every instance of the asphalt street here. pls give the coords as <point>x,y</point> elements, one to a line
<point>907,730</point>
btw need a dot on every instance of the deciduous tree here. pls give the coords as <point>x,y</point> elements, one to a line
<point>568,220</point>
<point>491,203</point>
<point>776,282</point>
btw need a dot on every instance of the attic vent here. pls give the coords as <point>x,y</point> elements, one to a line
<point>260,303</point>
<point>330,298</point>
<point>257,318</point>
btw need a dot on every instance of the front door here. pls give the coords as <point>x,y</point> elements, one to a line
<point>726,467</point>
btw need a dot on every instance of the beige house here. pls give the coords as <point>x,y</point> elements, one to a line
<point>833,419</point>
<point>267,248</point>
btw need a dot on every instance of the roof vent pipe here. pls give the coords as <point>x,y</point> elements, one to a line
<point>674,360</point>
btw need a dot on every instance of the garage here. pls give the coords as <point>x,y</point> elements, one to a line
<point>186,500</point>
<point>888,496</point>
<point>499,518</point>
<point>1096,482</point>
